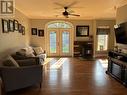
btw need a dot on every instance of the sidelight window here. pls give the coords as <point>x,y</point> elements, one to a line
<point>102,39</point>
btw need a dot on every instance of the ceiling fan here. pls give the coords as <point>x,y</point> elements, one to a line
<point>67,12</point>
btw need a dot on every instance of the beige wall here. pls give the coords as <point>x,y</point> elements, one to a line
<point>13,40</point>
<point>93,24</point>
<point>40,24</point>
<point>121,14</point>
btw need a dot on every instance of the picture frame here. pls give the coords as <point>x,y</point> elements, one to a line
<point>20,28</point>
<point>82,31</point>
<point>34,31</point>
<point>23,30</point>
<point>16,27</point>
<point>11,26</point>
<point>41,33</point>
<point>5,26</point>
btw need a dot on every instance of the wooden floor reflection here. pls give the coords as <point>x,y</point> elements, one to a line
<point>75,77</point>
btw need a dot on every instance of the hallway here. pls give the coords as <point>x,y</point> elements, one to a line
<point>75,77</point>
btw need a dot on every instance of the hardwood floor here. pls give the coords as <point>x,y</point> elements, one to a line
<point>75,77</point>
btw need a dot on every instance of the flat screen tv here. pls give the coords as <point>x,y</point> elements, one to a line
<point>121,33</point>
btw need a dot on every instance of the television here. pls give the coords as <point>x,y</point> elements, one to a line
<point>121,33</point>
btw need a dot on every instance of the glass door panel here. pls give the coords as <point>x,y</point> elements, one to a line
<point>53,42</point>
<point>65,42</point>
<point>59,42</point>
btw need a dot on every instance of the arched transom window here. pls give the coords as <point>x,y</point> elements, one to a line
<point>63,25</point>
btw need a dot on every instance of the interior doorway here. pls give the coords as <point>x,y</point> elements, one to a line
<point>59,39</point>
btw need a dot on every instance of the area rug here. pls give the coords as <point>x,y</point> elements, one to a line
<point>57,65</point>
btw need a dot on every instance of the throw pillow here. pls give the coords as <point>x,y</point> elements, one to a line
<point>30,49</point>
<point>28,52</point>
<point>8,63</point>
<point>38,50</point>
<point>30,55</point>
<point>11,62</point>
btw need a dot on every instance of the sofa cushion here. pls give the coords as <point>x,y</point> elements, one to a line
<point>38,50</point>
<point>18,56</point>
<point>9,61</point>
<point>27,62</point>
<point>1,63</point>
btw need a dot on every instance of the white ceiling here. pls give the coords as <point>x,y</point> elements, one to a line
<point>88,9</point>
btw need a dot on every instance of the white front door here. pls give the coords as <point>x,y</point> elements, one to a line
<point>59,42</point>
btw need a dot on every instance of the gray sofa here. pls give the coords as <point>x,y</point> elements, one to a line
<point>29,51</point>
<point>27,74</point>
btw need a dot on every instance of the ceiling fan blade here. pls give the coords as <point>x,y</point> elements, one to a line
<point>71,11</point>
<point>58,8</point>
<point>59,4</point>
<point>74,14</point>
<point>77,7</point>
<point>72,4</point>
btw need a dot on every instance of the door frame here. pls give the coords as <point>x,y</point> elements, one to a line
<point>71,39</point>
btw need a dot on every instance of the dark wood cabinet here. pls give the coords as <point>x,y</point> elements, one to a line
<point>83,48</point>
<point>117,66</point>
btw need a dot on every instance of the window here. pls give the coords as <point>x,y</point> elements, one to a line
<point>102,44</point>
<point>102,39</point>
<point>59,25</point>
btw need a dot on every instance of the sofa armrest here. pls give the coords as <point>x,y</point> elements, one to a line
<point>16,78</point>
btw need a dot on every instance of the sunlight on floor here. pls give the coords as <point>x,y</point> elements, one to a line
<point>58,64</point>
<point>98,75</point>
<point>104,62</point>
<point>47,60</point>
